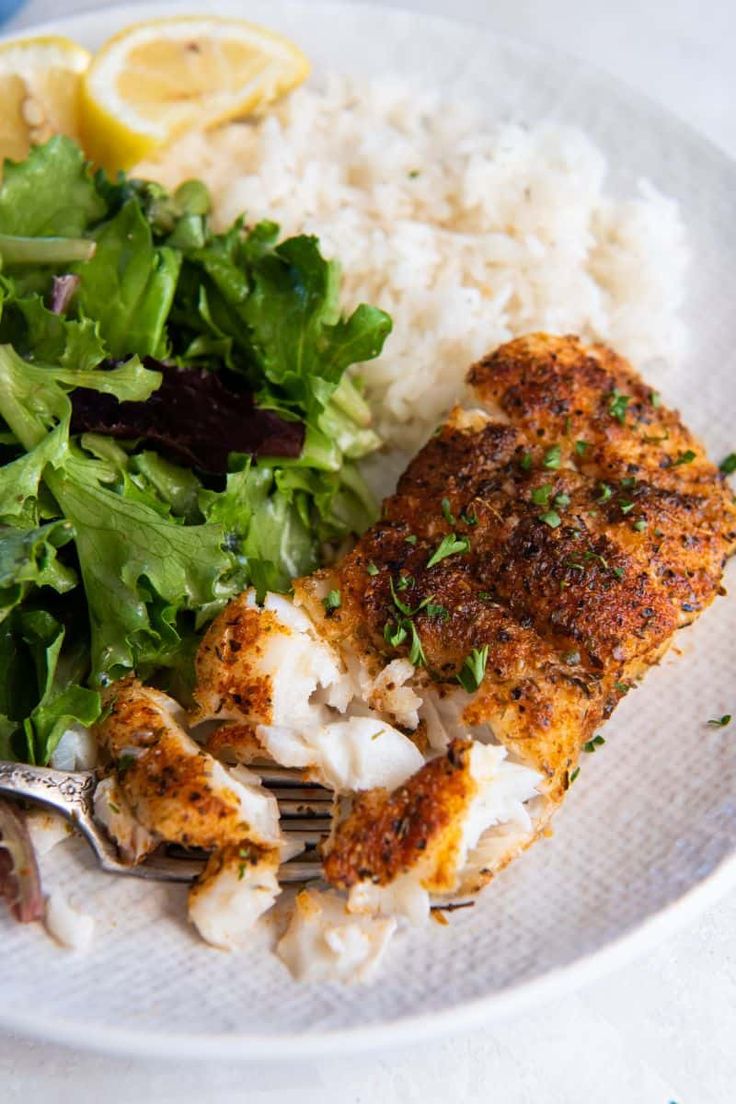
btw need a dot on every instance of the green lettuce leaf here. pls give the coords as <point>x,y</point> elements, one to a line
<point>51,193</point>
<point>39,699</point>
<point>128,286</point>
<point>28,559</point>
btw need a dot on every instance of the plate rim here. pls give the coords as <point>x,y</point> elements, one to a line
<point>661,924</point>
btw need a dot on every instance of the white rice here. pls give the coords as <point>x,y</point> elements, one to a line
<point>466,234</point>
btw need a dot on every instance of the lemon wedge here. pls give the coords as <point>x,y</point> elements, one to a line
<point>154,80</point>
<point>39,91</point>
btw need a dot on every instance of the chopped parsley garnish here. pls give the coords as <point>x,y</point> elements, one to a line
<point>447,512</point>
<point>721,722</point>
<point>437,612</point>
<point>333,600</point>
<point>552,458</point>
<point>413,173</point>
<point>551,518</point>
<point>470,675</point>
<point>606,493</point>
<point>622,687</point>
<point>405,582</point>
<point>618,572</point>
<point>411,539</point>
<point>394,633</point>
<point>567,424</point>
<point>526,461</point>
<point>628,482</point>
<point>561,500</point>
<point>244,853</point>
<point>655,399</point>
<point>581,447</point>
<point>540,495</point>
<point>686,457</point>
<point>618,404</point>
<point>448,546</point>
<point>416,652</point>
<point>594,743</point>
<point>728,464</point>
<point>589,555</point>
<point>124,763</point>
<point>571,777</point>
<point>626,507</point>
<point>372,569</point>
<point>640,525</point>
<point>469,519</point>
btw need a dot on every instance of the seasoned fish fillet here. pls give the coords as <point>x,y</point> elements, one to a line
<point>568,524</point>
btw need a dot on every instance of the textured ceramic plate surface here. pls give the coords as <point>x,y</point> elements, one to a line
<point>649,831</point>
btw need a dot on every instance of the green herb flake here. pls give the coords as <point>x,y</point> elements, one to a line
<point>448,546</point>
<point>561,501</point>
<point>655,399</point>
<point>447,512</point>
<point>470,676</point>
<point>416,652</point>
<point>405,582</point>
<point>571,777</point>
<point>540,495</point>
<point>437,612</point>
<point>640,525</point>
<point>411,539</point>
<point>124,763</point>
<point>618,404</point>
<point>552,458</point>
<point>622,687</point>
<point>618,572</point>
<point>686,457</point>
<point>606,493</point>
<point>626,507</point>
<point>333,601</point>
<point>469,519</point>
<point>394,633</point>
<point>591,745</point>
<point>720,722</point>
<point>551,518</point>
<point>526,461</point>
<point>728,464</point>
<point>581,447</point>
<point>372,569</point>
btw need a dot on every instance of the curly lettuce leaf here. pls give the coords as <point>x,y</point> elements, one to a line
<point>39,695</point>
<point>51,193</point>
<point>140,571</point>
<point>28,559</point>
<point>128,286</point>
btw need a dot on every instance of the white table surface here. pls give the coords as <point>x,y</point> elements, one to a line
<point>662,1029</point>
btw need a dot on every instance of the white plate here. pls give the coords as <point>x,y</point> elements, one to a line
<point>649,831</point>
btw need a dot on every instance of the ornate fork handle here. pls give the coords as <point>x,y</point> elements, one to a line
<point>67,793</point>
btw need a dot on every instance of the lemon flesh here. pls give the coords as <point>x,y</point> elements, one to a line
<point>40,80</point>
<point>155,80</point>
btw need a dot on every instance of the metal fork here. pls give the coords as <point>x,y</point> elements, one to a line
<point>305,819</point>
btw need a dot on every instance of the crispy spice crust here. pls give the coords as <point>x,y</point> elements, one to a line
<point>170,790</point>
<point>227,683</point>
<point>386,834</point>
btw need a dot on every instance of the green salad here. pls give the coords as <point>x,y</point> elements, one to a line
<point>176,423</point>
